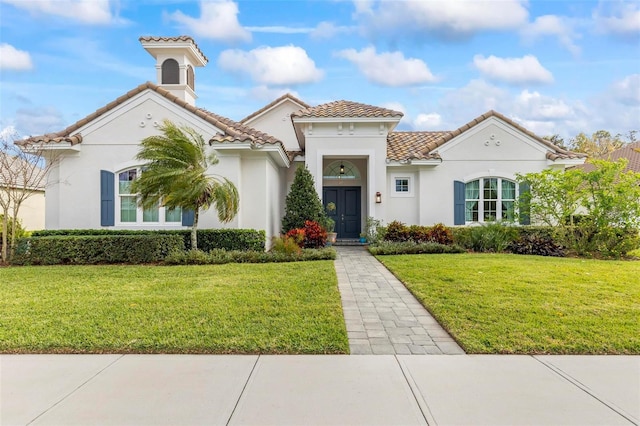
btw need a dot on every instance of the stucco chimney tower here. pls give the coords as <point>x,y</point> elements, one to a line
<point>175,59</point>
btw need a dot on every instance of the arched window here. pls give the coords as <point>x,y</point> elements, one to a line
<point>191,78</point>
<point>130,213</point>
<point>170,72</point>
<point>490,199</point>
<point>341,170</point>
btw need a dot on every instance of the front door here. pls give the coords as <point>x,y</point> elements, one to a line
<point>347,212</point>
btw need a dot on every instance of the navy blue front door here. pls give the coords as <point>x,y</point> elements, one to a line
<point>347,212</point>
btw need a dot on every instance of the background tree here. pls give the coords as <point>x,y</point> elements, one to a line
<point>302,202</point>
<point>557,140</point>
<point>599,144</point>
<point>175,175</point>
<point>23,173</point>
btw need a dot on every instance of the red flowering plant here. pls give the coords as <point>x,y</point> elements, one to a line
<point>315,235</point>
<point>297,235</point>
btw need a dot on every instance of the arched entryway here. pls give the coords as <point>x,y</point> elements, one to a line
<point>341,197</point>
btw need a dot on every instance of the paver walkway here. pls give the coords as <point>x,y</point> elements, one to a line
<point>382,316</point>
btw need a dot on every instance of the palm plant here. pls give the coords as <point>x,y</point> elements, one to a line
<point>175,175</point>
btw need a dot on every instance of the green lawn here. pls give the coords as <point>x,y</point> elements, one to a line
<point>233,308</point>
<point>528,304</point>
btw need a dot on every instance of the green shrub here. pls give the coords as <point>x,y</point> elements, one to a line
<point>410,247</point>
<point>634,254</point>
<point>491,237</point>
<point>536,245</point>
<point>440,234</point>
<point>606,241</point>
<point>214,257</point>
<point>397,232</point>
<point>302,202</point>
<point>418,233</point>
<point>96,249</point>
<point>285,245</point>
<point>208,239</point>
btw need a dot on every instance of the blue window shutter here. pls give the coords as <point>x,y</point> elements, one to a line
<point>187,217</point>
<point>107,198</point>
<point>458,203</point>
<point>524,206</point>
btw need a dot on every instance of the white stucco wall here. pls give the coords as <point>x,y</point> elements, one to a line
<point>112,142</point>
<point>364,144</point>
<point>491,149</point>
<point>277,123</point>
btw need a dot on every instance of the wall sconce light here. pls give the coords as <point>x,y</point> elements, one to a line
<point>341,168</point>
<point>378,197</point>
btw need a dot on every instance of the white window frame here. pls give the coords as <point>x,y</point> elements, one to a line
<point>410,184</point>
<point>139,211</point>
<point>499,200</point>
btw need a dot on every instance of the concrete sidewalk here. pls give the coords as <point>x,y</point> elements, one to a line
<point>309,390</point>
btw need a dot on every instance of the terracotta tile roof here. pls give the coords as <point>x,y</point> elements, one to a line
<point>232,131</point>
<point>271,104</point>
<point>339,109</point>
<point>178,38</point>
<point>420,145</point>
<point>630,151</point>
<point>412,145</point>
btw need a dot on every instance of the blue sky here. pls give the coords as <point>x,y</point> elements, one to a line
<point>553,66</point>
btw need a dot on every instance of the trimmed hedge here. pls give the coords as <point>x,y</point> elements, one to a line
<point>208,239</point>
<point>215,257</point>
<point>409,247</point>
<point>96,249</point>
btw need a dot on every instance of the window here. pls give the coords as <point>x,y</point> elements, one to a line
<point>170,72</point>
<point>490,199</point>
<point>131,213</point>
<point>341,170</point>
<point>402,184</point>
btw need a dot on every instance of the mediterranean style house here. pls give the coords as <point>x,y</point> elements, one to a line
<point>358,160</point>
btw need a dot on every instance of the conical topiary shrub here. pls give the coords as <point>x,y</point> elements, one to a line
<point>302,202</point>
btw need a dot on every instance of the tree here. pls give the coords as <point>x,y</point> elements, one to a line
<point>599,144</point>
<point>592,211</point>
<point>175,175</point>
<point>302,202</point>
<point>557,140</point>
<point>23,173</point>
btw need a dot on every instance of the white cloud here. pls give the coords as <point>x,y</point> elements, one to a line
<point>621,18</point>
<point>96,12</point>
<point>284,65</point>
<point>325,30</point>
<point>538,107</point>
<point>396,106</point>
<point>513,70</point>
<point>218,20</point>
<point>448,19</point>
<point>388,68</point>
<point>275,29</point>
<point>431,121</point>
<point>9,134</point>
<point>14,59</point>
<point>556,26</point>
<point>627,90</point>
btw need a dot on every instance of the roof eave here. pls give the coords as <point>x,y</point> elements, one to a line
<point>345,119</point>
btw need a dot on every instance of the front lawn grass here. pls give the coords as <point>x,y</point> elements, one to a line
<point>232,308</point>
<point>515,304</point>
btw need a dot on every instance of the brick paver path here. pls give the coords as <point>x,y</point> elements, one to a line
<point>381,315</point>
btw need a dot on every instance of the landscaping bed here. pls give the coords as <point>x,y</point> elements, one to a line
<point>232,308</point>
<point>512,304</point>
